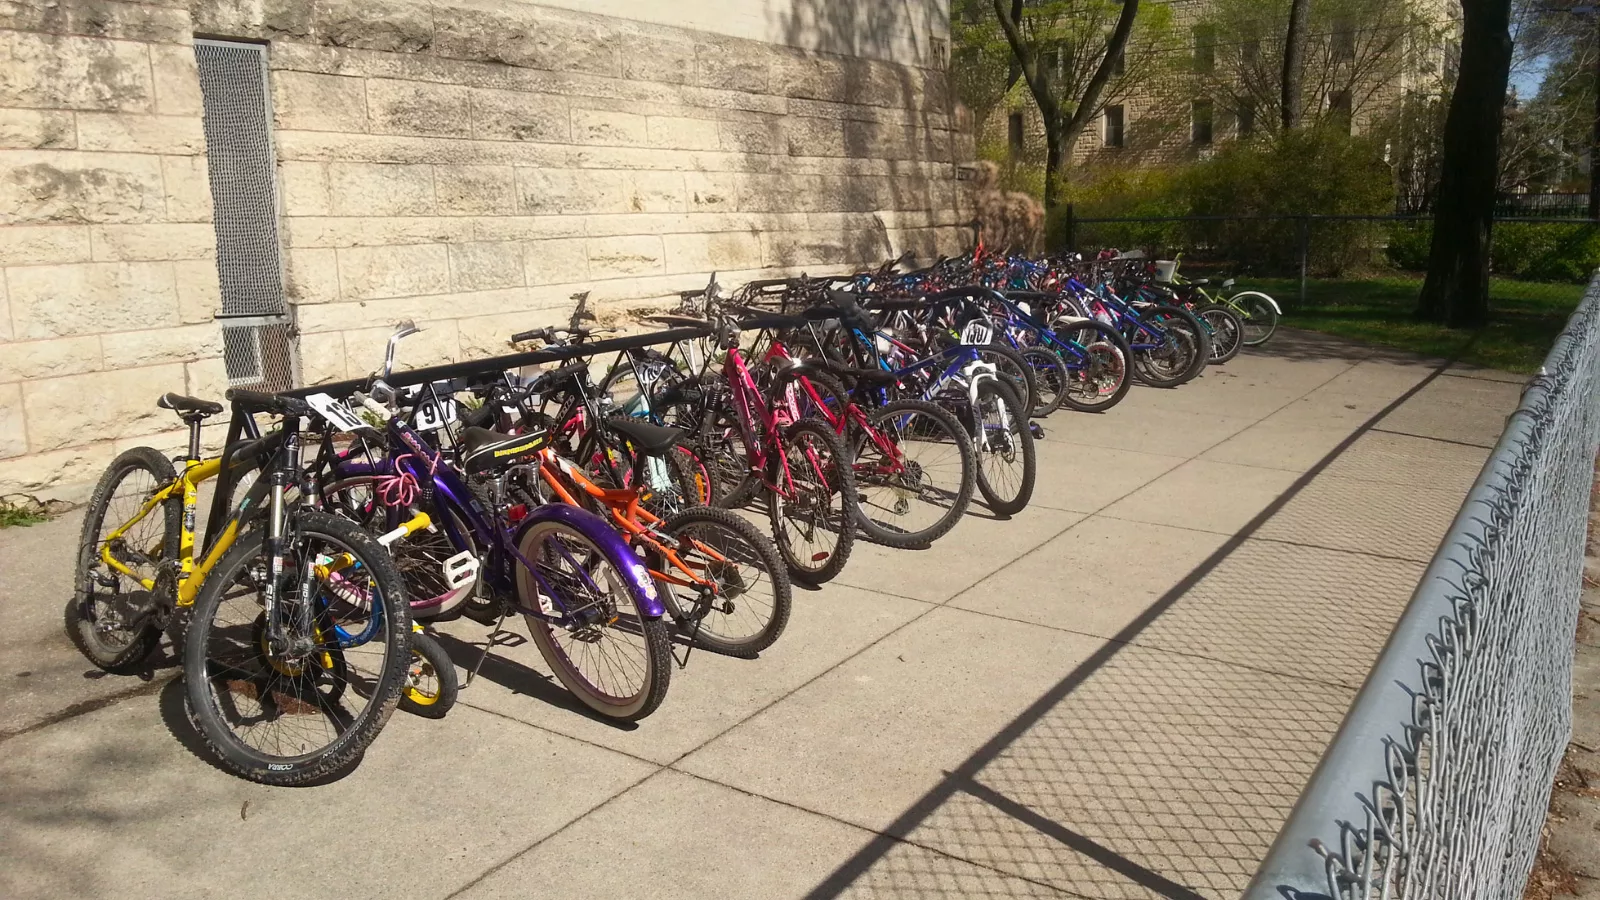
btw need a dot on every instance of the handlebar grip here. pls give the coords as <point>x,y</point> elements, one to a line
<point>482,417</point>
<point>259,401</point>
<point>535,334</point>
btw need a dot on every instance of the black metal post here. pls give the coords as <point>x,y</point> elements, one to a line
<point>1305,254</point>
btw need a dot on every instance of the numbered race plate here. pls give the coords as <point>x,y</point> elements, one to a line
<point>337,412</point>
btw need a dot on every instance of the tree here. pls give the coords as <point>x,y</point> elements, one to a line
<point>1294,44</point>
<point>1030,38</point>
<point>1456,291</point>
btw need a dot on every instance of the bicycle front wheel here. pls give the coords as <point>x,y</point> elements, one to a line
<point>593,634</point>
<point>298,699</point>
<point>1004,445</point>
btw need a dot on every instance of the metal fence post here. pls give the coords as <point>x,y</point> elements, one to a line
<point>1305,255</point>
<point>1071,229</point>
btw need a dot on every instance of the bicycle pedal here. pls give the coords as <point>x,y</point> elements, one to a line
<point>1037,430</point>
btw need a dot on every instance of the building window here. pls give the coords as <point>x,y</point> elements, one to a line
<point>1014,134</point>
<point>1115,124</point>
<point>1247,120</point>
<point>1205,48</point>
<point>1344,40</point>
<point>1200,122</point>
<point>1250,52</point>
<point>1119,65</point>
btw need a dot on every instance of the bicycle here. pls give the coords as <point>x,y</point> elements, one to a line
<point>287,607</point>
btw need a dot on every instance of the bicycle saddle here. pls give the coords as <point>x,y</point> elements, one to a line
<point>183,404</point>
<point>483,450</point>
<point>647,436</point>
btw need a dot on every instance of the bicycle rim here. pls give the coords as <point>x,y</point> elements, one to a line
<point>606,652</point>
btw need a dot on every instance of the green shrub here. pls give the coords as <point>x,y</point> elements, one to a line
<point>1122,193</point>
<point>1409,245</point>
<point>1545,251</point>
<point>1316,171</point>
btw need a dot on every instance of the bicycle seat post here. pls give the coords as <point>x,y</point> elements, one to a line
<point>193,421</point>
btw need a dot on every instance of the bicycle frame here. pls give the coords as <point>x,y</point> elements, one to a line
<point>625,510</point>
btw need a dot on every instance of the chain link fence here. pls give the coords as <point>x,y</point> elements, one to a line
<point>1437,783</point>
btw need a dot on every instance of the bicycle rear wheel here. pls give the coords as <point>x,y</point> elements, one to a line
<point>111,615</point>
<point>613,657</point>
<point>1049,378</point>
<point>1260,316</point>
<point>916,491</point>
<point>1098,366</point>
<point>748,607</point>
<point>294,712</point>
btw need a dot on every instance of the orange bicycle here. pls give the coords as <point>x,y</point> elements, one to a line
<point>721,580</point>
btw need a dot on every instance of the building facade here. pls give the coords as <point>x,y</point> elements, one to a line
<point>198,193</point>
<point>1214,75</point>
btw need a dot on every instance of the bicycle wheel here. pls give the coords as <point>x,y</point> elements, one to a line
<point>1049,379</point>
<point>917,488</point>
<point>111,616</point>
<point>1098,375</point>
<point>748,605</point>
<point>813,511</point>
<point>1227,332</point>
<point>431,686</point>
<point>721,444</point>
<point>609,654</point>
<point>1172,358</point>
<point>293,711</point>
<point>1004,447</point>
<point>1014,370</point>
<point>1260,316</point>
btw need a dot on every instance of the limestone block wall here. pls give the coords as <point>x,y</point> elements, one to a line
<point>107,278</point>
<point>468,164</point>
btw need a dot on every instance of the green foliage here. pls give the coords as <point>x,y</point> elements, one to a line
<point>1530,251</point>
<point>1316,171</point>
<point>12,516</point>
<point>1120,193</point>
<point>1409,244</point>
<point>1545,252</point>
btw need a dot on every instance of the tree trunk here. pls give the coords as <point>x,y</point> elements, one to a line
<point>1294,49</point>
<point>1060,133</point>
<point>1456,291</point>
<point>1089,103</point>
<point>1594,143</point>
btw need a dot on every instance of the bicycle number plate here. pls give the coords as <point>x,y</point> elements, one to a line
<point>460,570</point>
<point>433,415</point>
<point>977,332</point>
<point>336,412</point>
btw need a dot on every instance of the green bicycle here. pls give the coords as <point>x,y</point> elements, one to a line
<point>1259,311</point>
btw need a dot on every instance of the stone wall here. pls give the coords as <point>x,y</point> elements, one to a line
<point>106,245</point>
<point>466,163</point>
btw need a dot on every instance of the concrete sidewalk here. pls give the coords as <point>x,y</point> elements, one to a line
<point>1117,693</point>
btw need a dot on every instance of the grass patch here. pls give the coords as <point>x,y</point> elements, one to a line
<point>11,516</point>
<point>1524,317</point>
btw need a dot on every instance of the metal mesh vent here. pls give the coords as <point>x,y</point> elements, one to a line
<point>258,342</point>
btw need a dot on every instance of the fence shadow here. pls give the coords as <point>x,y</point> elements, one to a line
<point>1218,747</point>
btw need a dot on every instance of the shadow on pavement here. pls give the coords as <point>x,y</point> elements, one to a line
<point>1173,715</point>
<point>519,679</point>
